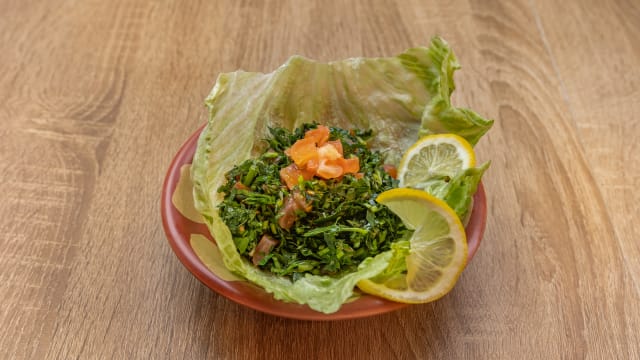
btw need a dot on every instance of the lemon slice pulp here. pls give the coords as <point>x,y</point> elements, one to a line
<point>435,158</point>
<point>438,249</point>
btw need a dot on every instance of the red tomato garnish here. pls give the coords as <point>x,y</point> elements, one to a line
<point>391,170</point>
<point>338,145</point>
<point>329,152</point>
<point>315,155</point>
<point>302,151</point>
<point>292,204</point>
<point>291,174</point>
<point>320,135</point>
<point>350,166</point>
<point>240,186</point>
<point>312,165</point>
<point>264,247</point>
<point>329,169</point>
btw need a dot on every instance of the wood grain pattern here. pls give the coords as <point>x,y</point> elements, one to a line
<point>97,97</point>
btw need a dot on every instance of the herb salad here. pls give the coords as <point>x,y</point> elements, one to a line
<point>343,225</point>
<point>400,98</point>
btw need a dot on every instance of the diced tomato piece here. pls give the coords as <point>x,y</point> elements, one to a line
<point>263,248</point>
<point>290,175</point>
<point>319,135</point>
<point>312,165</point>
<point>287,219</point>
<point>315,155</point>
<point>240,186</point>
<point>359,175</point>
<point>300,201</point>
<point>391,170</point>
<point>329,169</point>
<point>338,145</point>
<point>310,169</point>
<point>293,203</point>
<point>302,151</point>
<point>349,166</point>
<point>329,152</point>
<point>308,174</point>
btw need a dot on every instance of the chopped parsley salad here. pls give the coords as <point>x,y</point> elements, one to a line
<point>307,204</point>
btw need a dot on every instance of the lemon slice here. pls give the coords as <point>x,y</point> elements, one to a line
<point>435,158</point>
<point>437,254</point>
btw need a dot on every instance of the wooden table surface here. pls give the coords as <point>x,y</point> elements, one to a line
<point>97,96</point>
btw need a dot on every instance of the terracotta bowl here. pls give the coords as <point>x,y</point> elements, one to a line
<point>179,230</point>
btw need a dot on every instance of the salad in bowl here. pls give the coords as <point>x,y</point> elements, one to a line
<point>322,180</point>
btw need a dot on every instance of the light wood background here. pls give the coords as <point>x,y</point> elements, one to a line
<point>97,96</point>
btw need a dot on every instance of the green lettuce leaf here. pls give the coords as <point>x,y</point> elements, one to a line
<point>399,98</point>
<point>458,191</point>
<point>439,116</point>
<point>397,265</point>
